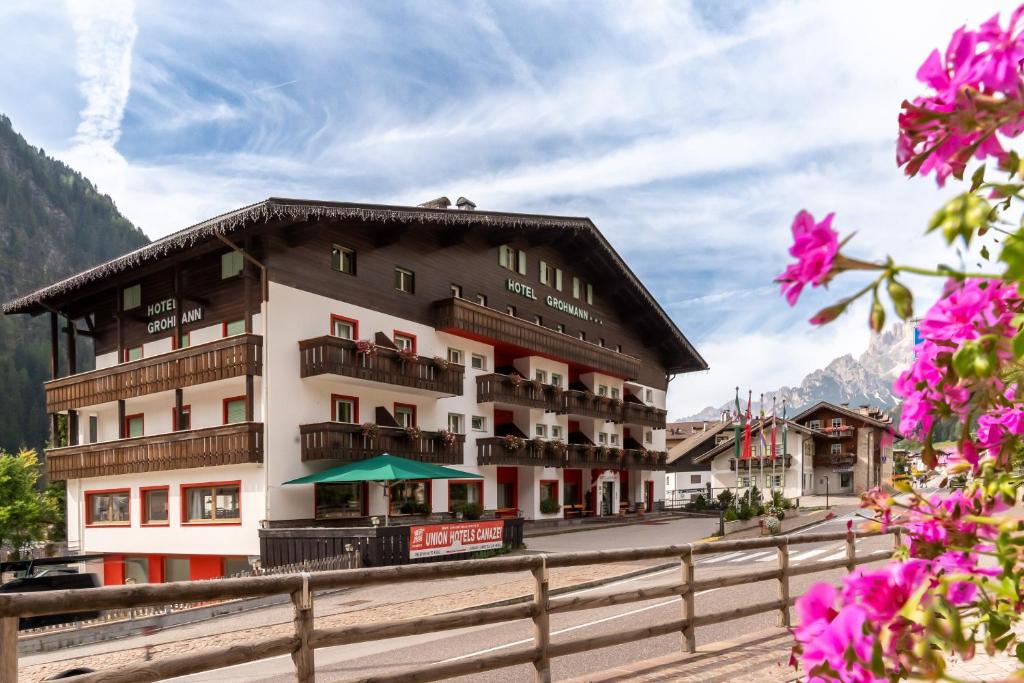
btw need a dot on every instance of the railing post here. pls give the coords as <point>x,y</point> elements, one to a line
<point>851,551</point>
<point>541,623</point>
<point>302,601</point>
<point>897,538</point>
<point>784,582</point>
<point>689,638</point>
<point>8,649</point>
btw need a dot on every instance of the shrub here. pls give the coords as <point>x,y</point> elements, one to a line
<point>725,498</point>
<point>730,514</point>
<point>469,510</point>
<point>549,506</point>
<point>745,512</point>
<point>699,502</point>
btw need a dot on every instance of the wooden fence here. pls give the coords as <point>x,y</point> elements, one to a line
<point>306,638</point>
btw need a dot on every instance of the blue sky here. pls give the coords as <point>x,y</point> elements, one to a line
<point>689,132</point>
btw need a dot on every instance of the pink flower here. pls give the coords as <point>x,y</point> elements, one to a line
<point>998,66</point>
<point>815,246</point>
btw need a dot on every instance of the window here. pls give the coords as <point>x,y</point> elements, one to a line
<point>814,424</point>
<point>837,422</point>
<point>615,392</point>
<point>136,569</point>
<point>600,342</point>
<point>457,423</point>
<point>404,340</point>
<point>343,327</point>
<point>455,356</point>
<point>177,569</point>
<point>583,335</point>
<point>602,390</point>
<point>590,295</point>
<point>343,259</point>
<point>837,448</point>
<point>405,415</point>
<point>405,280</point>
<point>560,328</point>
<point>183,422</point>
<point>234,410</point>
<point>541,376</point>
<point>107,507</point>
<point>94,429</point>
<point>154,505</point>
<point>744,481</point>
<point>344,408</point>
<point>556,379</point>
<point>721,438</point>
<point>183,342</point>
<point>337,500</point>
<point>236,565</point>
<point>511,259</point>
<point>134,425</point>
<point>556,431</point>
<point>618,348</point>
<point>131,297</point>
<point>230,264</point>
<point>694,478</point>
<point>465,493</point>
<point>577,288</point>
<point>410,497</point>
<point>615,439</point>
<point>511,310</point>
<point>457,291</point>
<point>134,353</point>
<point>545,273</point>
<point>478,423</point>
<point>549,490</point>
<point>212,503</point>
<point>648,436</point>
<point>541,430</point>
<point>845,480</point>
<point>478,362</point>
<point>602,438</point>
<point>234,327</point>
<point>649,395</point>
<point>481,299</point>
<point>558,279</point>
<point>538,320</point>
<point>773,481</point>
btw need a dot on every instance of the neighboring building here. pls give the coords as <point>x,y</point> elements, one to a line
<point>783,473</point>
<point>851,448</point>
<point>685,478</point>
<point>291,336</point>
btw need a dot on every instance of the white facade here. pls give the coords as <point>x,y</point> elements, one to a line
<point>788,479</point>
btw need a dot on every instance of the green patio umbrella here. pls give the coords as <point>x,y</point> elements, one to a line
<point>385,469</point>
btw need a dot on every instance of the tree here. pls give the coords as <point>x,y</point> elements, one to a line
<point>26,513</point>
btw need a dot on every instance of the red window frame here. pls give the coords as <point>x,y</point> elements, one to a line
<point>554,490</point>
<point>127,421</point>
<point>398,405</point>
<point>126,351</point>
<point>176,343</point>
<point>224,327</point>
<point>174,416</point>
<point>224,406</point>
<point>184,503</point>
<point>351,321</point>
<point>469,482</point>
<point>89,523</point>
<point>411,336</point>
<point>143,521</point>
<point>355,407</point>
<point>509,475</point>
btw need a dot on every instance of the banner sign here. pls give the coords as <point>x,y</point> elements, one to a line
<point>434,540</point>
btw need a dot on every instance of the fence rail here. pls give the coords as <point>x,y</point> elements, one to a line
<point>307,638</point>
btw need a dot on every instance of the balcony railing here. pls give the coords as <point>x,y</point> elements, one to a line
<point>230,357</point>
<point>756,463</point>
<point>466,316</point>
<point>540,453</point>
<point>504,389</point>
<point>348,443</point>
<point>835,460</point>
<point>840,432</point>
<point>337,356</point>
<point>648,416</point>
<point>611,409</point>
<point>231,444</point>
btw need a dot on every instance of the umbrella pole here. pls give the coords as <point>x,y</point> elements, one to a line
<point>387,503</point>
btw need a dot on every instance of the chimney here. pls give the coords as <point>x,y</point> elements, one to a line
<point>465,204</point>
<point>439,203</point>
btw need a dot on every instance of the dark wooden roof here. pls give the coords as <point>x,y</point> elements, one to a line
<point>683,357</point>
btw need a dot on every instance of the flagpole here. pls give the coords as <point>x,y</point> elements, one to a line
<point>785,449</point>
<point>760,475</point>
<point>774,449</point>
<point>736,445</point>
<point>748,448</point>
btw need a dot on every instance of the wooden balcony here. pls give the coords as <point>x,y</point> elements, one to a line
<point>645,415</point>
<point>224,445</point>
<point>330,355</point>
<point>539,453</point>
<point>345,442</point>
<point>755,463</point>
<point>230,357</point>
<point>458,315</point>
<point>502,389</point>
<point>612,410</point>
<point>836,460</point>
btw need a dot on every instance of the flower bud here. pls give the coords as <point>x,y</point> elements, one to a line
<point>829,313</point>
<point>877,317</point>
<point>902,299</point>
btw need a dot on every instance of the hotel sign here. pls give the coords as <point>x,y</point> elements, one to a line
<point>166,322</point>
<point>526,291</point>
<point>434,540</point>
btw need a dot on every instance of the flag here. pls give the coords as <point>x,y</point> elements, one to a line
<point>746,430</point>
<point>774,451</point>
<point>760,431</point>
<point>738,428</point>
<point>785,429</point>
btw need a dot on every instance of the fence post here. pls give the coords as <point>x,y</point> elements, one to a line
<point>689,638</point>
<point>541,623</point>
<point>302,601</point>
<point>8,649</point>
<point>851,551</point>
<point>784,581</point>
<point>897,538</point>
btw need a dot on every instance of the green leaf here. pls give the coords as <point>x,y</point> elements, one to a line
<point>1020,651</point>
<point>962,217</point>
<point>984,252</point>
<point>963,360</point>
<point>1013,255</point>
<point>978,178</point>
<point>1018,345</point>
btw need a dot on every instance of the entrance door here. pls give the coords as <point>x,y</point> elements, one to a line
<point>649,495</point>
<point>607,493</point>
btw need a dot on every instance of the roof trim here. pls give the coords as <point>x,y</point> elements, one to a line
<point>689,443</point>
<point>845,411</point>
<point>299,210</point>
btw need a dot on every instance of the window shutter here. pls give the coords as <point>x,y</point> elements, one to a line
<point>558,279</point>
<point>522,262</point>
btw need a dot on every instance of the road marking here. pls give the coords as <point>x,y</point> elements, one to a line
<point>720,558</point>
<point>750,557</point>
<point>807,554</point>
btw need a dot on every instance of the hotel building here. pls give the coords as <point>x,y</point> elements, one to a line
<point>291,336</point>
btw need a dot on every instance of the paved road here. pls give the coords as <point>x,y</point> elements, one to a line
<point>345,662</point>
